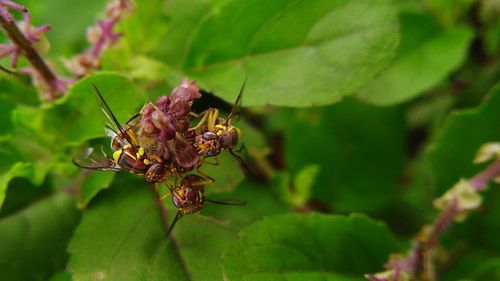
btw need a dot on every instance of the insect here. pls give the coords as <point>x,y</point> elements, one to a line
<point>127,154</point>
<point>217,134</point>
<point>189,197</point>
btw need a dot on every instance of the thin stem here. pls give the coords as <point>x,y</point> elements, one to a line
<point>479,180</point>
<point>34,58</point>
<point>415,262</point>
<point>442,222</point>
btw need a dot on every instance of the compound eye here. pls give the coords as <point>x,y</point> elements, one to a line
<point>210,136</point>
<point>177,201</point>
<point>191,196</point>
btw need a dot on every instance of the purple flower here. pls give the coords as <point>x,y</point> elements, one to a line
<point>101,36</point>
<point>167,121</point>
<point>5,5</point>
<point>31,33</point>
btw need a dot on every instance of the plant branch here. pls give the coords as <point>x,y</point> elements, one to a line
<point>479,180</point>
<point>457,203</point>
<point>31,54</point>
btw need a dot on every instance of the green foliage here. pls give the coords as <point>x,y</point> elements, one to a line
<point>133,244</point>
<point>319,56</point>
<point>92,185</point>
<point>350,106</point>
<point>297,191</point>
<point>77,117</point>
<point>34,240</point>
<point>450,157</point>
<point>312,247</point>
<point>418,66</point>
<point>348,141</point>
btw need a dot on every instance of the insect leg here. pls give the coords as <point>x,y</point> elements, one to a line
<point>178,215</point>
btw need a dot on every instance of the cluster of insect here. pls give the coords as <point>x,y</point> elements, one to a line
<point>168,143</point>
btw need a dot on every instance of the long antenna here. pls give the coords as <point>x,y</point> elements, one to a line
<point>106,110</point>
<point>227,202</point>
<point>236,103</point>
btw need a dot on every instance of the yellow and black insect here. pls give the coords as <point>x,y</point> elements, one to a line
<point>215,134</point>
<point>189,197</point>
<point>127,155</point>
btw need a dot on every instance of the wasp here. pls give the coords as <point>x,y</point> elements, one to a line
<point>215,134</point>
<point>128,154</point>
<point>189,197</point>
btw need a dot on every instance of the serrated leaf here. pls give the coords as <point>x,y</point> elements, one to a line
<point>34,239</point>
<point>77,117</point>
<point>121,237</point>
<point>453,149</point>
<point>335,47</point>
<point>309,247</point>
<point>426,56</point>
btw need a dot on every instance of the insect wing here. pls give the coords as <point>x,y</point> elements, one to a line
<point>93,160</point>
<point>114,126</point>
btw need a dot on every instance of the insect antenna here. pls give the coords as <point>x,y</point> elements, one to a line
<point>236,103</point>
<point>227,202</point>
<point>106,110</point>
<point>246,169</point>
<point>176,218</point>
<point>133,118</point>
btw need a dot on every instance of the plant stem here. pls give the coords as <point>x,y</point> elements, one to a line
<point>34,58</point>
<point>480,179</point>
<point>418,261</point>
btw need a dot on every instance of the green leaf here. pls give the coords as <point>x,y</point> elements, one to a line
<point>309,247</point>
<point>227,175</point>
<point>145,28</point>
<point>475,265</point>
<point>92,184</point>
<point>334,49</point>
<point>259,202</point>
<point>426,56</point>
<point>358,146</point>
<point>121,237</point>
<point>77,117</point>
<point>454,147</point>
<point>61,276</point>
<point>34,172</point>
<point>449,11</point>
<point>34,240</point>
<point>297,191</point>
<point>14,91</point>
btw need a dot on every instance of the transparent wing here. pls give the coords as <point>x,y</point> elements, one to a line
<point>93,160</point>
<point>113,122</point>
